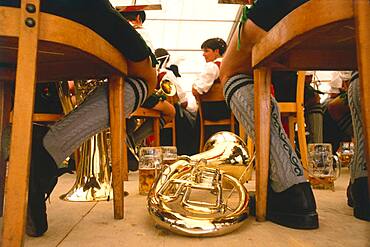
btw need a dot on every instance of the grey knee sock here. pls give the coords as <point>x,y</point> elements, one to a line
<point>89,118</point>
<point>358,164</point>
<point>285,167</point>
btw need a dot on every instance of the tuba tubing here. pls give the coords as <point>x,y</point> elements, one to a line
<point>170,203</point>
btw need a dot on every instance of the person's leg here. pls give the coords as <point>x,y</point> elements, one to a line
<point>358,167</point>
<point>285,167</point>
<point>290,199</point>
<point>89,118</point>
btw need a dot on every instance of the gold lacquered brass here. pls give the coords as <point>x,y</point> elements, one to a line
<point>93,174</point>
<point>196,196</point>
<point>167,88</point>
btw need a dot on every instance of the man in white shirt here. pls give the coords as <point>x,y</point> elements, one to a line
<point>213,49</point>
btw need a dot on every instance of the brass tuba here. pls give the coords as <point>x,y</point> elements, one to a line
<point>93,173</point>
<point>203,195</point>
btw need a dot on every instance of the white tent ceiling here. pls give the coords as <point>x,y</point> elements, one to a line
<point>182,26</point>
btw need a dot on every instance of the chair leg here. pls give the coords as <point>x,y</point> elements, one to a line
<point>118,135</point>
<point>157,133</point>
<point>362,18</point>
<point>16,191</point>
<point>174,132</point>
<point>201,136</point>
<point>291,122</point>
<point>262,114</point>
<point>4,121</point>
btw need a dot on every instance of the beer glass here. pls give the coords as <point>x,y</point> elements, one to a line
<point>150,160</point>
<point>323,166</point>
<point>345,153</point>
<point>169,155</point>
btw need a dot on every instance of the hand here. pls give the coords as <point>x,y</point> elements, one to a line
<point>184,104</point>
<point>196,94</point>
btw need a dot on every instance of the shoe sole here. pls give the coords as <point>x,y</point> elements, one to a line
<point>361,213</point>
<point>296,221</point>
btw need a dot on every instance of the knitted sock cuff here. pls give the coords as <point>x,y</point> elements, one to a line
<point>140,90</point>
<point>234,83</point>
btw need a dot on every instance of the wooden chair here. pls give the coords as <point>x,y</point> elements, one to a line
<point>43,47</point>
<point>215,94</point>
<point>295,113</point>
<point>319,35</point>
<point>149,113</point>
<point>172,124</point>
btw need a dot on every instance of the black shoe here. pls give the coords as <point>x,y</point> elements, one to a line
<point>359,192</point>
<point>43,178</point>
<point>349,195</point>
<point>133,163</point>
<point>294,207</point>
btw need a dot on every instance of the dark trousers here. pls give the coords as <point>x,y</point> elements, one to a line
<point>101,17</point>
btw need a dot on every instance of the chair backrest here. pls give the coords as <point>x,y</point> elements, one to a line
<point>172,124</point>
<point>295,113</point>
<point>215,94</point>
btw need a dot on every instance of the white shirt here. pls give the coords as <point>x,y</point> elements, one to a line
<point>206,78</point>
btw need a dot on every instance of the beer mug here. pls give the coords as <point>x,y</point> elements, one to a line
<point>169,155</point>
<point>345,153</point>
<point>150,160</point>
<point>323,166</point>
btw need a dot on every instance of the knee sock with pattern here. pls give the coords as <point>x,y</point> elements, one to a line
<point>358,164</point>
<point>285,167</point>
<point>89,118</point>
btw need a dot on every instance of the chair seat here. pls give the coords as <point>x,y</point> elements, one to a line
<point>60,52</point>
<point>318,39</point>
<point>150,113</point>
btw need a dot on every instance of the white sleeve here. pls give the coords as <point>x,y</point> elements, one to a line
<point>206,78</point>
<point>192,102</point>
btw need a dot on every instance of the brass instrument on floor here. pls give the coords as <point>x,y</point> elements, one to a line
<point>203,195</point>
<point>93,173</point>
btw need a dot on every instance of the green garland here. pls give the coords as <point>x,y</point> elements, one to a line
<point>243,20</point>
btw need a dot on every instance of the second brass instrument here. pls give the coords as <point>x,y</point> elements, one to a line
<point>196,196</point>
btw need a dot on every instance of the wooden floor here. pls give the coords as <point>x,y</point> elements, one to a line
<point>92,224</point>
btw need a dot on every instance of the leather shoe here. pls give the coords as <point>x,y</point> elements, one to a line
<point>294,207</point>
<point>359,194</point>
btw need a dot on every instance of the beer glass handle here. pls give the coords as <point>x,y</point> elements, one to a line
<point>337,166</point>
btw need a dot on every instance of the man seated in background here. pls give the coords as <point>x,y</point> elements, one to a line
<point>213,50</point>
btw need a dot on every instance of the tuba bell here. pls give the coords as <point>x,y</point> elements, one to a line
<point>203,195</point>
<point>93,173</point>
